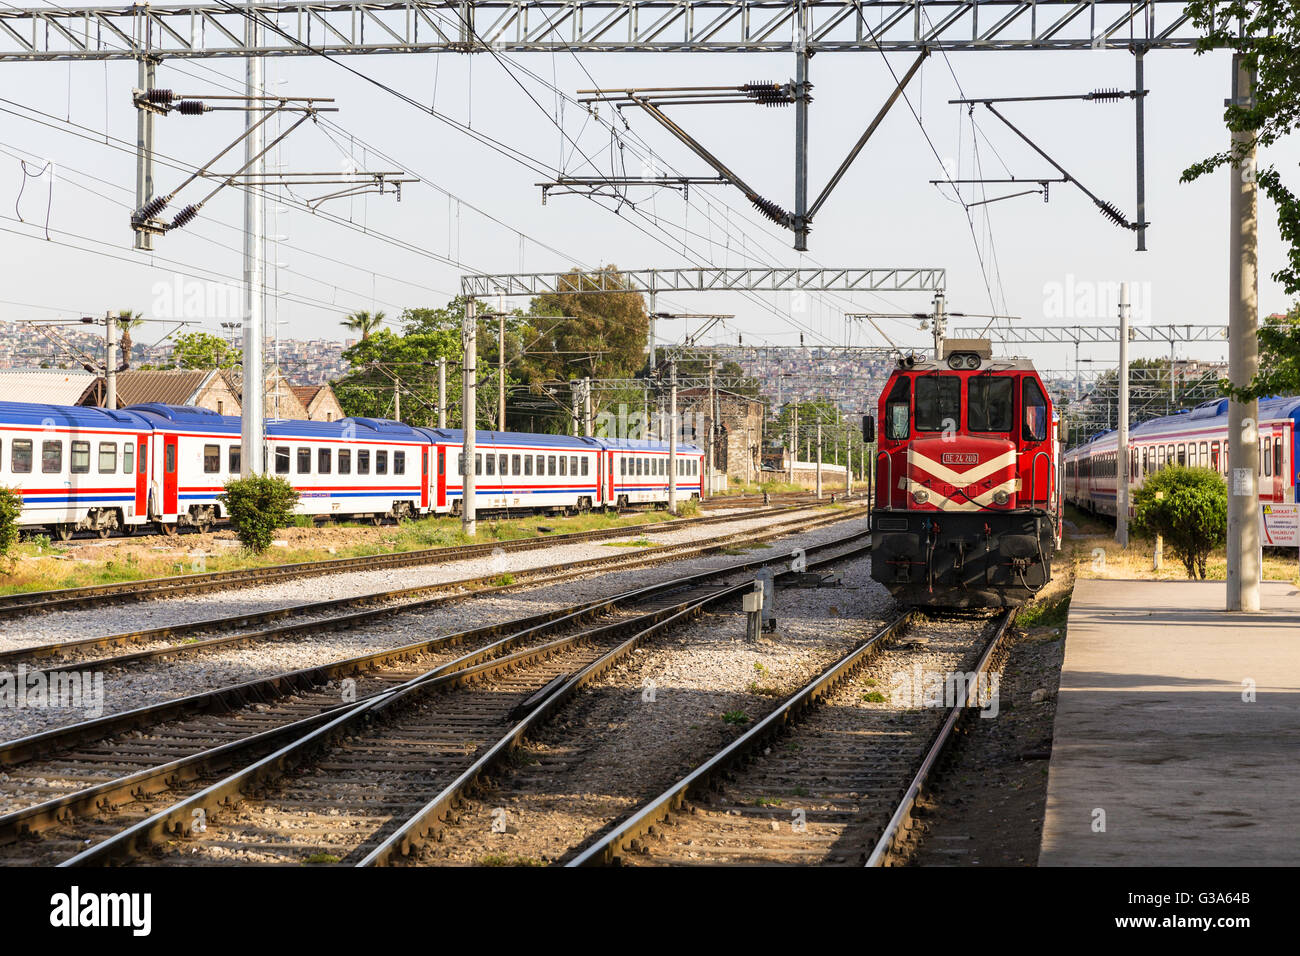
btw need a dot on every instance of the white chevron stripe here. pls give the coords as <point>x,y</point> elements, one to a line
<point>978,503</point>
<point>962,479</point>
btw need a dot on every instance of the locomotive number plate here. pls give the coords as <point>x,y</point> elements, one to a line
<point>960,458</point>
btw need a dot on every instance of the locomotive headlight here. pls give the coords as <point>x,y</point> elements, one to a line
<point>1001,497</point>
<point>920,496</point>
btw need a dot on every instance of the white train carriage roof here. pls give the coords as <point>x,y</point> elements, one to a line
<point>1189,420</point>
<point>456,436</point>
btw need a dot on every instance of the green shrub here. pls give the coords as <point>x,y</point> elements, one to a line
<point>258,505</point>
<point>10,506</point>
<point>1191,513</point>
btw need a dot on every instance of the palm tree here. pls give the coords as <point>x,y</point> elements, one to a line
<point>363,323</point>
<point>126,321</point>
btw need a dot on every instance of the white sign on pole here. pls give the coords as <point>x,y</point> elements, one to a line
<point>1281,525</point>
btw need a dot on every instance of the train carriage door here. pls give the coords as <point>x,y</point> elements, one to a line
<point>442,477</point>
<point>142,476</point>
<point>424,478</point>
<point>170,452</point>
<point>600,478</point>
<point>609,466</point>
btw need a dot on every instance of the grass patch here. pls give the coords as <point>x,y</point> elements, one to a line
<point>736,717</point>
<point>635,543</point>
<point>874,697</point>
<point>323,858</point>
<point>1052,612</point>
<point>765,690</point>
<point>768,802</point>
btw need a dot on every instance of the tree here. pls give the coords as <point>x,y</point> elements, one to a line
<point>205,350</point>
<point>11,507</point>
<point>258,505</point>
<point>1279,359</point>
<point>1189,508</point>
<point>364,323</point>
<point>603,334</point>
<point>126,321</point>
<point>1266,33</point>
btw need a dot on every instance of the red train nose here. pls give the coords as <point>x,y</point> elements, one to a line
<point>961,473</point>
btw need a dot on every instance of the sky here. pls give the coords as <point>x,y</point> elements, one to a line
<point>476,210</point>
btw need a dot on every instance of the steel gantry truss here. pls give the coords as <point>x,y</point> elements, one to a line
<point>1085,334</point>
<point>706,279</point>
<point>215,29</point>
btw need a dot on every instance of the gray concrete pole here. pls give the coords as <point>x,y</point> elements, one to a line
<point>144,120</point>
<point>589,424</point>
<point>110,367</point>
<point>442,393</point>
<point>1121,470</point>
<point>252,404</point>
<point>672,438</point>
<point>501,371</point>
<point>1243,363</point>
<point>819,457</point>
<point>397,401</point>
<point>469,419</point>
<point>794,439</point>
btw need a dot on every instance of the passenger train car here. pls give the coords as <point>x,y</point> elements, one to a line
<point>967,510</point>
<point>164,465</point>
<point>1198,438</point>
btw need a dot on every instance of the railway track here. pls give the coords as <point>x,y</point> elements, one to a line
<point>30,602</point>
<point>820,780</point>
<point>358,610</point>
<point>140,772</point>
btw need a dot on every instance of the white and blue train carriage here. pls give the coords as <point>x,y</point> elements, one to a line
<point>76,468</point>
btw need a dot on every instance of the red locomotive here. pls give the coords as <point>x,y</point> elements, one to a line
<point>967,511</point>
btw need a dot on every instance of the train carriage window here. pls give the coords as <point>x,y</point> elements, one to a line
<point>1145,461</point>
<point>550,465</point>
<point>478,464</point>
<point>1034,404</point>
<point>1170,454</point>
<point>491,464</point>
<point>304,461</point>
<point>399,462</point>
<point>514,465</point>
<point>282,459</point>
<point>51,457</point>
<point>81,457</point>
<point>1182,454</point>
<point>107,457</point>
<point>345,461</point>
<point>1277,456</point>
<point>324,461</point>
<point>381,462</point>
<point>1266,460</point>
<point>898,410</point>
<point>541,465</point>
<point>989,402</point>
<point>528,465</point>
<point>1204,457</point>
<point>234,459</point>
<point>1214,455</point>
<point>363,462</point>
<point>564,466</point>
<point>503,464</point>
<point>938,402</point>
<point>128,458</point>
<point>211,459</point>
<point>20,456</point>
<point>1160,457</point>
<point>585,465</point>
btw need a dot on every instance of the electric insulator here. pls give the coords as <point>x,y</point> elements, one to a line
<point>184,217</point>
<point>1113,214</point>
<point>191,107</point>
<point>771,210</point>
<point>767,93</point>
<point>1106,96</point>
<point>159,97</point>
<point>151,209</point>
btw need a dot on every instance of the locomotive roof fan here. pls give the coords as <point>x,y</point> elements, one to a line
<point>966,354</point>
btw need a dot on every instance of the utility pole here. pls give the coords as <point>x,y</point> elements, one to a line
<point>802,96</point>
<point>110,367</point>
<point>144,121</point>
<point>713,427</point>
<point>1243,363</point>
<point>1122,463</point>
<point>469,419</point>
<point>589,423</point>
<point>501,371</point>
<point>794,438</point>
<point>672,437</point>
<point>819,456</point>
<point>397,400</point>
<point>252,405</point>
<point>442,393</point>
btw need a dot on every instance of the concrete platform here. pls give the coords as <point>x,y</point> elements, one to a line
<point>1151,728</point>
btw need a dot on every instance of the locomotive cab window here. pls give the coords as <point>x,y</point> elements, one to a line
<point>1034,403</point>
<point>898,410</point>
<point>989,402</point>
<point>938,402</point>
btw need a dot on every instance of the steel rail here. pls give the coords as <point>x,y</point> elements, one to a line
<point>892,839</point>
<point>465,589</point>
<point>97,594</point>
<point>265,689</point>
<point>427,822</point>
<point>606,850</point>
<point>178,817</point>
